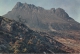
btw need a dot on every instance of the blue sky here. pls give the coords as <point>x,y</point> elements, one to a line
<point>72,7</point>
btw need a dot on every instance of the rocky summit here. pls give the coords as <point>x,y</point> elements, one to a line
<point>40,19</point>
<point>31,29</point>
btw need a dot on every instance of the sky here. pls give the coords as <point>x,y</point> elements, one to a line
<point>72,7</point>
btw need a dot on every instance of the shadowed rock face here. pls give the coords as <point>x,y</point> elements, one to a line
<point>40,19</point>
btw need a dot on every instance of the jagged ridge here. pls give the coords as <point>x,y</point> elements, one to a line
<point>40,19</point>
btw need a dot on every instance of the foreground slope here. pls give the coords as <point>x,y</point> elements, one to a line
<point>15,37</point>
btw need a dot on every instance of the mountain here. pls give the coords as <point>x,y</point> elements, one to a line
<point>36,30</point>
<point>40,19</point>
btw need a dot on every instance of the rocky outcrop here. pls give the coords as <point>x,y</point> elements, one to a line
<point>61,13</point>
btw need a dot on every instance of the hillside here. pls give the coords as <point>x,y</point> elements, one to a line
<point>16,37</point>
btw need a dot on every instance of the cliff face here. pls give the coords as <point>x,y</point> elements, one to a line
<point>40,19</point>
